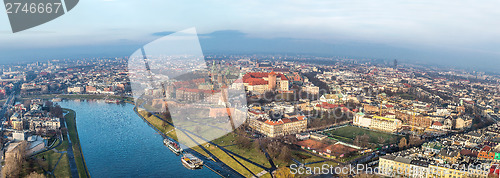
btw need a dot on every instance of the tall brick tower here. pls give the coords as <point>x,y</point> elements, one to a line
<point>272,80</point>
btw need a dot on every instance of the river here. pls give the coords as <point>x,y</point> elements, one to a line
<point>118,143</point>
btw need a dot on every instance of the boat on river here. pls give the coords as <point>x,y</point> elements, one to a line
<point>174,147</point>
<point>192,162</point>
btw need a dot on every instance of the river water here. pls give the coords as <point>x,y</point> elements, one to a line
<point>118,143</point>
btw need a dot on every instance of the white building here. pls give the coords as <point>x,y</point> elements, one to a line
<point>360,119</point>
<point>75,89</point>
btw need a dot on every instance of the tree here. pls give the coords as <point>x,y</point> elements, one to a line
<point>243,142</point>
<point>48,104</point>
<point>285,154</point>
<point>274,148</point>
<point>12,166</point>
<point>14,161</point>
<point>357,141</point>
<point>403,143</point>
<point>362,140</point>
<point>365,140</point>
<point>56,111</point>
<point>414,140</point>
<point>283,172</point>
<point>381,140</point>
<point>256,145</point>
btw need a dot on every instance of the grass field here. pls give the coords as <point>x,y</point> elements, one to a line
<point>348,134</point>
<point>159,124</point>
<point>70,118</point>
<point>51,158</point>
<point>226,158</point>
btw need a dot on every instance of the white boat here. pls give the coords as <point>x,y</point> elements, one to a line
<point>192,162</point>
<point>172,146</point>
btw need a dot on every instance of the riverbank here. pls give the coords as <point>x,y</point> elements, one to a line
<point>63,158</point>
<point>125,99</point>
<point>70,119</point>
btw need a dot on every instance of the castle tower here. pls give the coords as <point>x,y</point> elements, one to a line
<point>212,72</point>
<point>272,80</point>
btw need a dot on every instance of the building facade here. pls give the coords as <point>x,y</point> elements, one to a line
<point>280,127</point>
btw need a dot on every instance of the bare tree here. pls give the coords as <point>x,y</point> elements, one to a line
<point>403,143</point>
<point>56,111</point>
<point>283,172</point>
<point>243,142</point>
<point>357,141</point>
<point>14,161</point>
<point>285,154</point>
<point>365,140</point>
<point>414,140</point>
<point>381,140</point>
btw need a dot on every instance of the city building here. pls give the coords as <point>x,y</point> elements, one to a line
<point>362,120</point>
<point>260,82</point>
<point>281,127</point>
<point>76,89</point>
<point>385,124</point>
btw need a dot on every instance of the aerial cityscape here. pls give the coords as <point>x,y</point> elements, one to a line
<point>279,89</point>
<point>302,115</point>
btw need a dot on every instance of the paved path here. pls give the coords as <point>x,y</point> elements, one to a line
<point>71,156</point>
<point>260,174</point>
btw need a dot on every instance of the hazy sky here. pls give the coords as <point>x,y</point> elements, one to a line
<point>454,30</point>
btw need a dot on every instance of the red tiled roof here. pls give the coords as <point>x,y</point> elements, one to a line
<point>436,123</point>
<point>273,122</point>
<point>468,153</point>
<point>255,81</point>
<point>260,75</point>
<point>486,148</point>
<point>286,120</point>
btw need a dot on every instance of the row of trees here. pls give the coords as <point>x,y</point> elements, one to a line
<point>54,110</point>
